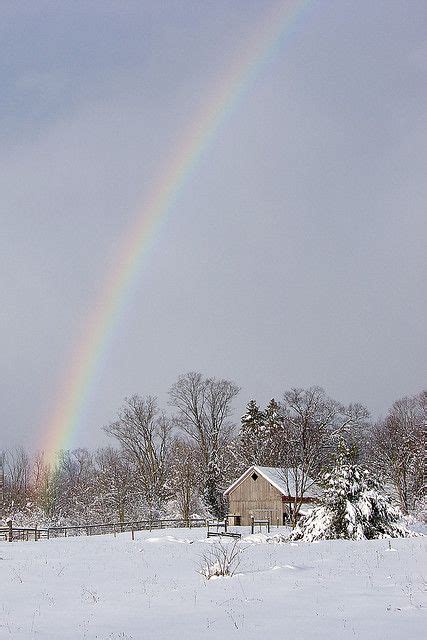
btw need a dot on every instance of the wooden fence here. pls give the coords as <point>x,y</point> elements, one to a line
<point>219,528</point>
<point>260,524</point>
<point>11,533</point>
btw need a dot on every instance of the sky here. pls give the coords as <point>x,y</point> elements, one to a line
<point>294,254</point>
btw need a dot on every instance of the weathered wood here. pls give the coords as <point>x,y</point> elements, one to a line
<point>260,524</point>
<point>254,495</point>
<point>306,500</point>
<point>257,498</point>
<point>221,534</point>
<point>11,533</point>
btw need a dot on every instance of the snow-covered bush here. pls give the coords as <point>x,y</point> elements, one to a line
<point>353,507</point>
<point>222,560</point>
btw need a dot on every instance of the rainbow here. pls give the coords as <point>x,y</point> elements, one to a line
<point>75,387</point>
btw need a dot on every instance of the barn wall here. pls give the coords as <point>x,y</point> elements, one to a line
<point>258,498</point>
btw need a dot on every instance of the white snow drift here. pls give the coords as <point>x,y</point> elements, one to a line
<point>110,588</point>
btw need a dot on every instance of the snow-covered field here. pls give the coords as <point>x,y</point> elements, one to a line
<point>115,588</point>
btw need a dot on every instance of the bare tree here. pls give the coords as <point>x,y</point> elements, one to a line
<point>17,489</point>
<point>313,425</point>
<point>73,480</point>
<point>204,408</point>
<point>186,476</point>
<point>46,485</point>
<point>397,448</point>
<point>145,435</point>
<point>2,482</point>
<point>116,482</point>
<point>203,411</point>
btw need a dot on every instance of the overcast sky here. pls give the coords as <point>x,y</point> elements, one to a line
<point>295,254</point>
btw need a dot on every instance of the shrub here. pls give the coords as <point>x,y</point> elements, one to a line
<point>222,560</point>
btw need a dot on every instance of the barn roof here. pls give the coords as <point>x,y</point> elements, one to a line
<point>276,476</point>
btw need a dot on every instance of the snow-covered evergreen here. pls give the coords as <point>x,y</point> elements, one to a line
<point>273,434</point>
<point>260,438</point>
<point>212,495</point>
<point>353,507</point>
<point>251,434</point>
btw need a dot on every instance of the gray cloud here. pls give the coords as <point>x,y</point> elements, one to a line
<point>295,252</point>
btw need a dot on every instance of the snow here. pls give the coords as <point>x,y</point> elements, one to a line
<point>277,478</point>
<point>111,588</point>
<point>353,509</point>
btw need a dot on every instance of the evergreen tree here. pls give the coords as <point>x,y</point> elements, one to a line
<point>252,435</point>
<point>353,508</point>
<point>273,434</point>
<point>213,496</point>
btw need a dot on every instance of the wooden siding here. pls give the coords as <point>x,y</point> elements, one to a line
<point>258,498</point>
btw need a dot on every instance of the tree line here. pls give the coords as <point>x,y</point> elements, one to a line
<point>179,464</point>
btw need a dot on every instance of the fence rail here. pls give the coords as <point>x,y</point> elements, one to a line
<point>11,533</point>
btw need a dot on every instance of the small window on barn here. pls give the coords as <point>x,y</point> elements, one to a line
<point>254,476</point>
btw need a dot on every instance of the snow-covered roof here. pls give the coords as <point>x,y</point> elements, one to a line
<point>282,479</point>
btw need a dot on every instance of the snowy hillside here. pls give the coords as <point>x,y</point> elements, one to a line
<point>112,588</point>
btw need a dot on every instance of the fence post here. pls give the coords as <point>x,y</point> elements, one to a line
<point>35,533</point>
<point>133,533</point>
<point>9,533</point>
<point>252,524</point>
<point>268,526</point>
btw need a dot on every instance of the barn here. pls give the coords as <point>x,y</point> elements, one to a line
<point>264,494</point>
